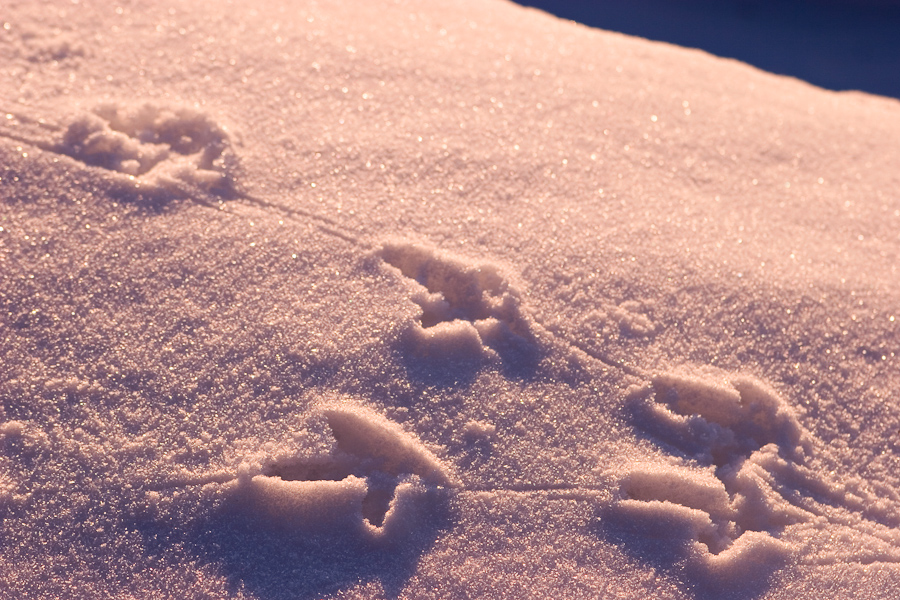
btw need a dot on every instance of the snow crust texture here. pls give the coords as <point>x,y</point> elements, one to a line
<point>418,300</point>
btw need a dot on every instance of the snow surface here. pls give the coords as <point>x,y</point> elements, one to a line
<point>437,300</point>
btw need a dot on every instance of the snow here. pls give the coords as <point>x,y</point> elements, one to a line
<point>426,300</point>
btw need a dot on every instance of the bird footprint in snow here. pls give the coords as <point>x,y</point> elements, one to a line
<point>727,511</point>
<point>746,497</point>
<point>467,309</point>
<point>373,480</point>
<point>150,149</point>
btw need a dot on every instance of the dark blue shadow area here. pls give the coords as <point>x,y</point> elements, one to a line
<point>663,544</point>
<point>519,359</point>
<point>275,562</point>
<point>835,44</point>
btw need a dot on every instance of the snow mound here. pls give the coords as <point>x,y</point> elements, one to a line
<point>368,435</point>
<point>309,503</point>
<point>157,148</point>
<point>700,491</point>
<point>724,419</point>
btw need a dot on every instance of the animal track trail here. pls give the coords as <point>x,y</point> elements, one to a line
<point>745,503</point>
<point>379,482</point>
<point>157,153</point>
<point>147,149</point>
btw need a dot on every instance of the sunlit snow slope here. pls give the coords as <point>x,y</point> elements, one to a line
<point>436,300</point>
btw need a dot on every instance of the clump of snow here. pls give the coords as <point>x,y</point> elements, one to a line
<point>368,435</point>
<point>449,339</point>
<point>476,429</point>
<point>12,428</point>
<point>699,490</point>
<point>630,319</point>
<point>308,504</point>
<point>732,416</point>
